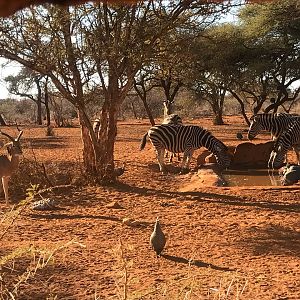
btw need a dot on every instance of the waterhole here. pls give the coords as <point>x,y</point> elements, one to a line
<point>252,177</point>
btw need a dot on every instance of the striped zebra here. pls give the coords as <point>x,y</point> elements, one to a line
<point>175,120</point>
<point>288,139</point>
<point>274,123</point>
<point>172,119</point>
<point>186,139</point>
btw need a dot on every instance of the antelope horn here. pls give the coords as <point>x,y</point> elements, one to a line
<point>7,135</point>
<point>20,134</point>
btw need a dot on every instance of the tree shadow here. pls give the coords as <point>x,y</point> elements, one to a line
<point>55,216</point>
<point>50,142</point>
<point>274,239</point>
<point>197,263</point>
<point>209,198</point>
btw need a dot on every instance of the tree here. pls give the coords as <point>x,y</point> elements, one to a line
<point>90,44</point>
<point>29,84</point>
<point>271,31</point>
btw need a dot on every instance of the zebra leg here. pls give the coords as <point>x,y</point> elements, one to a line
<point>171,156</point>
<point>160,157</point>
<point>186,161</point>
<point>167,154</point>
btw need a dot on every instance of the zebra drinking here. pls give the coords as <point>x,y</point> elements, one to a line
<point>274,123</point>
<point>186,139</point>
<point>288,139</point>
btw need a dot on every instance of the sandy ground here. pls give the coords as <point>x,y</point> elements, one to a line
<point>222,242</point>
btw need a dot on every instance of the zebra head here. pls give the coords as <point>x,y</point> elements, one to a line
<point>221,154</point>
<point>255,127</point>
<point>277,157</point>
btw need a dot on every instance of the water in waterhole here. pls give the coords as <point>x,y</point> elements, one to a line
<point>252,177</point>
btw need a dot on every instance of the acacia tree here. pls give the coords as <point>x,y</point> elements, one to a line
<point>89,45</point>
<point>270,33</point>
<point>33,86</point>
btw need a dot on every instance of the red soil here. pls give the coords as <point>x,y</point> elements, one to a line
<point>222,243</point>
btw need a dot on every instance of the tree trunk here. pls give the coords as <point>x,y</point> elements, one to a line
<point>107,135</point>
<point>217,107</point>
<point>218,118</point>
<point>236,96</point>
<point>46,101</point>
<point>39,119</point>
<point>48,116</point>
<point>134,110</point>
<point>149,113</point>
<point>89,153</point>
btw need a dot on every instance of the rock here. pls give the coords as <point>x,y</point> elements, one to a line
<point>115,205</point>
<point>201,157</point>
<point>290,175</point>
<point>205,177</point>
<point>44,204</point>
<point>206,157</point>
<point>249,155</point>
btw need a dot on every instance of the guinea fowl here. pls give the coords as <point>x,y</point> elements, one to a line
<point>157,239</point>
<point>239,136</point>
<point>120,171</point>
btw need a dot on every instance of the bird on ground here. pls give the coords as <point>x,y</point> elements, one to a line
<point>239,136</point>
<point>157,239</point>
<point>119,171</point>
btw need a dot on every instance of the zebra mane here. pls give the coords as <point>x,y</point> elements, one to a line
<point>222,146</point>
<point>271,114</point>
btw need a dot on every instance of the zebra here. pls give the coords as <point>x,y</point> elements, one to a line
<point>172,119</point>
<point>274,123</point>
<point>96,127</point>
<point>288,139</point>
<point>175,120</point>
<point>186,139</point>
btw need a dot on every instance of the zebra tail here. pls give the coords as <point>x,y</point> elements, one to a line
<point>143,141</point>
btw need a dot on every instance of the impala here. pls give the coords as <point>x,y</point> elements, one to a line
<point>10,162</point>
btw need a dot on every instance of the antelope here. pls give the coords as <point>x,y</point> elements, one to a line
<point>10,162</point>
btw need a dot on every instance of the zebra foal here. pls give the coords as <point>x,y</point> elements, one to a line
<point>288,139</point>
<point>273,123</point>
<point>184,139</point>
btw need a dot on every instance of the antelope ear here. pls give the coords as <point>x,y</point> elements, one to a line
<point>8,148</point>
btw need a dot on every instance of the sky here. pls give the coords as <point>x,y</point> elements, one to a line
<point>13,68</point>
<point>6,70</point>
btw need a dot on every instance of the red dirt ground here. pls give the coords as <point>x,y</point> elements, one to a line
<point>222,242</point>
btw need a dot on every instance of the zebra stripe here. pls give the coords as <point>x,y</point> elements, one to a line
<point>288,139</point>
<point>175,120</point>
<point>274,123</point>
<point>186,139</point>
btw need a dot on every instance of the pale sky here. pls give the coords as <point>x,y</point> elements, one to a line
<point>5,70</point>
